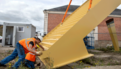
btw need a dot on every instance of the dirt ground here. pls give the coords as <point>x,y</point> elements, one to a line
<point>102,57</point>
<point>5,52</point>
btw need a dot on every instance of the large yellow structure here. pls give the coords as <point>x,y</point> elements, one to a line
<point>65,42</point>
<point>112,31</point>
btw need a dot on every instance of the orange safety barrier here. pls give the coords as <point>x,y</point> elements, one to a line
<point>66,11</point>
<point>90,4</point>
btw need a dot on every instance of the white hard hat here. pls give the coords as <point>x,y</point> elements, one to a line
<point>40,37</point>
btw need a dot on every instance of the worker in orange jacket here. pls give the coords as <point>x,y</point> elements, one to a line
<point>23,47</point>
<point>30,59</point>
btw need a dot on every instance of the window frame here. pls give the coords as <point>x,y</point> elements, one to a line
<point>19,30</point>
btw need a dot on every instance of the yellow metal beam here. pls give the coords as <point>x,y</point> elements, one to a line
<point>112,31</point>
<point>70,46</point>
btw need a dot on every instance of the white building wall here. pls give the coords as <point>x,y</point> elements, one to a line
<point>45,22</point>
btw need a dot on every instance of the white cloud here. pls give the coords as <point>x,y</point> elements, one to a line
<point>22,11</point>
<point>30,11</point>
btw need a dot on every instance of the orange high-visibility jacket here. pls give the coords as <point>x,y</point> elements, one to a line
<point>31,57</point>
<point>25,43</point>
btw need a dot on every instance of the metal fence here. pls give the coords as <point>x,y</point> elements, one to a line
<point>103,39</point>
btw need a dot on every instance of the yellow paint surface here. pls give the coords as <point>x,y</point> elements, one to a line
<point>65,42</point>
<point>112,31</point>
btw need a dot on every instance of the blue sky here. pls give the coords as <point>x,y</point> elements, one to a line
<point>30,11</point>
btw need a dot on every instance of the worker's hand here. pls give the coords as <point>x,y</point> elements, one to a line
<point>38,53</point>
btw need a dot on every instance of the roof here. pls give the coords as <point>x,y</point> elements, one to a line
<point>17,24</point>
<point>63,8</point>
<point>74,7</point>
<point>116,12</point>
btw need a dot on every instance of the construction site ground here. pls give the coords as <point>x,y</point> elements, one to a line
<point>104,58</point>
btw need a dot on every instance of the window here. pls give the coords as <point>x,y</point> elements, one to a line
<point>20,29</point>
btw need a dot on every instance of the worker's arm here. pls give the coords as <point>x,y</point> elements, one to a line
<point>33,51</point>
<point>40,46</point>
<point>39,54</point>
